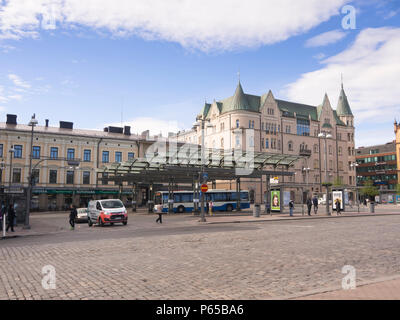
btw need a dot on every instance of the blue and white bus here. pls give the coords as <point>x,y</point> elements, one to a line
<point>222,200</point>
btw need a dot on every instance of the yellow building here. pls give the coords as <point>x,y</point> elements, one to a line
<point>64,162</point>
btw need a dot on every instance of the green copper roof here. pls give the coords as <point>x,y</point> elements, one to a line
<point>343,107</point>
<point>301,110</point>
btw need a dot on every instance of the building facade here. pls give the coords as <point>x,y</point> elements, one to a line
<point>64,162</point>
<point>279,126</point>
<point>379,164</point>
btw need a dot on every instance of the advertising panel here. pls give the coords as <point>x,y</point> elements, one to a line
<point>275,200</point>
<point>337,194</point>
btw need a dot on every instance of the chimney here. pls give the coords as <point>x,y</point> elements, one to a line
<point>127,130</point>
<point>66,125</point>
<point>47,123</point>
<point>11,119</point>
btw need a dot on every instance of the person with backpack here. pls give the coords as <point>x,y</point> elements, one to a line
<point>315,203</point>
<point>11,217</point>
<point>309,206</point>
<point>72,216</point>
<point>291,207</point>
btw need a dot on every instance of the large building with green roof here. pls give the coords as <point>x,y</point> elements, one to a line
<point>272,125</point>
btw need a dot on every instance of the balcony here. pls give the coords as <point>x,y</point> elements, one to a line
<point>305,152</point>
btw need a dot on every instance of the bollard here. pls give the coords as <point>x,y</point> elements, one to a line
<point>256,211</point>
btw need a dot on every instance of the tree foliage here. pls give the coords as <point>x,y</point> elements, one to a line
<point>369,190</point>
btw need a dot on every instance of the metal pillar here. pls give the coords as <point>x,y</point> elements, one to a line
<point>134,197</point>
<point>195,197</point>
<point>170,197</point>
<point>269,194</point>
<point>238,206</point>
<point>150,200</point>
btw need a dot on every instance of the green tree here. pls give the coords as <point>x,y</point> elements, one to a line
<point>369,190</point>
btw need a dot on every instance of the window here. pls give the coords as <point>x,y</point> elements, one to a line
<point>330,149</point>
<point>287,130</point>
<point>237,140</point>
<point>36,152</point>
<point>118,156</point>
<point>1,150</point>
<point>262,143</point>
<point>270,111</point>
<point>237,123</point>
<point>87,154</point>
<point>266,143</point>
<point>86,177</point>
<point>16,177</point>
<point>35,176</point>
<point>17,151</point>
<point>222,126</point>
<point>303,127</point>
<point>340,151</point>
<point>290,146</point>
<point>131,156</point>
<point>106,157</point>
<point>70,177</point>
<point>53,176</point>
<point>316,164</point>
<point>70,154</point>
<point>315,148</point>
<point>105,176</point>
<point>53,152</point>
<point>262,126</point>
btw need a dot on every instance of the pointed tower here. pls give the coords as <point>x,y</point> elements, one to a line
<point>343,109</point>
<point>239,101</point>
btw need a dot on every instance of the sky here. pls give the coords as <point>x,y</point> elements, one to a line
<point>152,64</point>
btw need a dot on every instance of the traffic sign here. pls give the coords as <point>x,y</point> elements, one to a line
<point>205,176</point>
<point>204,188</point>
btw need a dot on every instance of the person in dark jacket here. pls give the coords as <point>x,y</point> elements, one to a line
<point>337,203</point>
<point>11,217</point>
<point>72,216</point>
<point>309,206</point>
<point>291,207</point>
<point>315,203</point>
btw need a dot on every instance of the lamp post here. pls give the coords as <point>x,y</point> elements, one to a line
<point>12,150</point>
<point>307,170</point>
<point>326,136</point>
<point>354,165</point>
<point>33,122</point>
<point>201,122</point>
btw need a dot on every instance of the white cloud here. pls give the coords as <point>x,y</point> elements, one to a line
<point>15,97</point>
<point>140,124</point>
<point>205,25</point>
<point>18,81</point>
<point>326,38</point>
<point>371,69</point>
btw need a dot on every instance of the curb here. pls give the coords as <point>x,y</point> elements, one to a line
<point>332,289</point>
<point>304,218</point>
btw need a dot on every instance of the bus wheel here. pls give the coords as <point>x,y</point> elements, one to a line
<point>181,209</point>
<point>229,207</point>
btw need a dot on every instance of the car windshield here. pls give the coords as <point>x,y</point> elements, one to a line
<point>112,204</point>
<point>82,210</point>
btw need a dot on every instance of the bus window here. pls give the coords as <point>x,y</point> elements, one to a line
<point>244,196</point>
<point>187,197</point>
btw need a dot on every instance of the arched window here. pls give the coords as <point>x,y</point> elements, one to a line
<point>237,123</point>
<point>290,146</point>
<point>315,148</point>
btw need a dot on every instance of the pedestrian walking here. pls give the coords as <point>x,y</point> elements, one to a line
<point>2,216</point>
<point>72,216</point>
<point>291,207</point>
<point>207,207</point>
<point>11,217</point>
<point>315,203</point>
<point>160,213</point>
<point>337,204</point>
<point>309,206</point>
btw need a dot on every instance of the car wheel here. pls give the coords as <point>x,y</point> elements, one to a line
<point>181,209</point>
<point>229,207</point>
<point>90,223</point>
<point>125,223</point>
<point>112,223</point>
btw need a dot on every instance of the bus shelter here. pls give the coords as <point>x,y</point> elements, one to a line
<point>189,168</point>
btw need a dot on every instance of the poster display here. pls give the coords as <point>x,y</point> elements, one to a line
<point>286,198</point>
<point>337,194</point>
<point>275,200</point>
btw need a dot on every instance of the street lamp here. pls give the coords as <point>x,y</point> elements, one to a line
<point>326,136</point>
<point>307,170</point>
<point>11,150</point>
<point>201,122</point>
<point>33,122</point>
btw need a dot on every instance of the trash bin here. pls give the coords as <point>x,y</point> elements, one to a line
<point>256,210</point>
<point>372,207</point>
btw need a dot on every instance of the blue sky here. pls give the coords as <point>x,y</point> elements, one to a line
<point>157,65</point>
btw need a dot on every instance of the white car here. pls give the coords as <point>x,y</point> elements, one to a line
<point>82,215</point>
<point>107,211</point>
